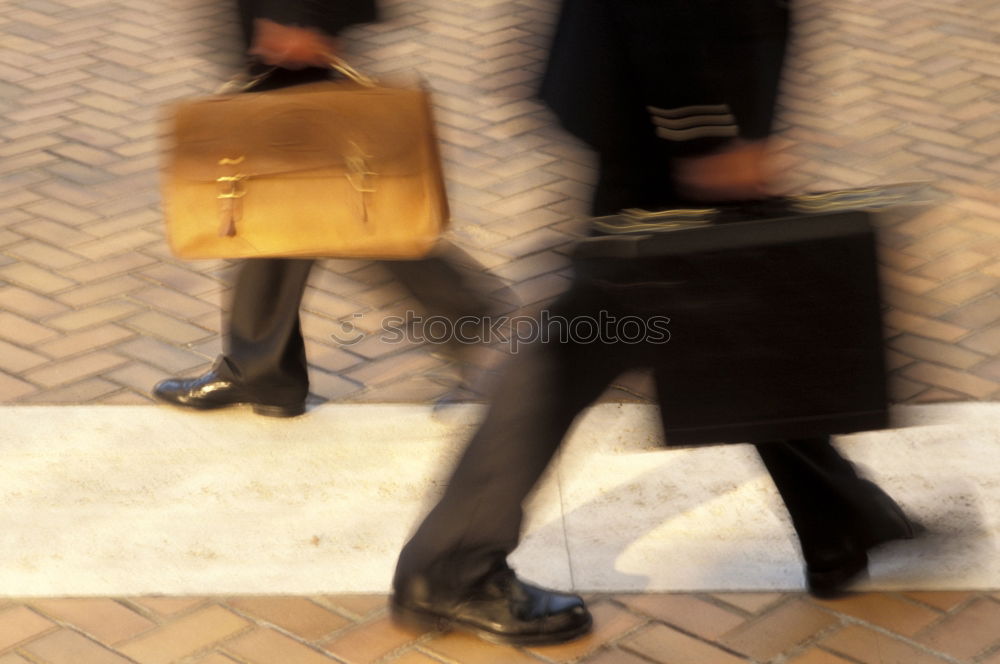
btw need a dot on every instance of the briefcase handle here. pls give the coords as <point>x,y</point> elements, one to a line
<point>245,81</point>
<point>341,66</point>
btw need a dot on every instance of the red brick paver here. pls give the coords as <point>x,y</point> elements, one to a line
<point>874,628</point>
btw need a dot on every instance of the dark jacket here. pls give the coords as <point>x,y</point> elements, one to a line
<point>330,16</point>
<point>695,74</point>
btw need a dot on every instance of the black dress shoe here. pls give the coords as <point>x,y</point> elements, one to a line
<point>502,609</point>
<point>831,578</point>
<point>829,573</point>
<point>213,390</point>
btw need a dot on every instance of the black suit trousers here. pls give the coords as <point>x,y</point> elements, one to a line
<point>477,522</point>
<point>265,349</point>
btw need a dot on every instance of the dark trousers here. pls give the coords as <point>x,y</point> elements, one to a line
<point>477,522</point>
<point>264,345</point>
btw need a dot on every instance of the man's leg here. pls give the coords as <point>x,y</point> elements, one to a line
<point>453,570</point>
<point>452,285</point>
<point>837,514</point>
<point>444,288</point>
<point>264,361</point>
<point>265,344</point>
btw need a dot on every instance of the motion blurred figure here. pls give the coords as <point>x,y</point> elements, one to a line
<point>264,360</point>
<point>677,98</point>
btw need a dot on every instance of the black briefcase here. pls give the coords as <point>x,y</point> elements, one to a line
<point>774,315</point>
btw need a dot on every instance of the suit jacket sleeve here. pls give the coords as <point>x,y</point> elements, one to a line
<point>708,71</point>
<point>694,74</point>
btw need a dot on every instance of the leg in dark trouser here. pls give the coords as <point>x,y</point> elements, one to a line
<point>442,287</point>
<point>265,345</point>
<point>837,514</point>
<point>453,285</point>
<point>448,572</point>
<point>264,361</point>
<point>478,520</point>
<point>264,364</point>
<point>265,349</point>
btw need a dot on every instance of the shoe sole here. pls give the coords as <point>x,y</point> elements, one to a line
<point>258,408</point>
<point>278,411</point>
<point>425,621</point>
<point>836,583</point>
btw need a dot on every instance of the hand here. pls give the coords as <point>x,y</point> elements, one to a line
<point>291,47</point>
<point>737,172</point>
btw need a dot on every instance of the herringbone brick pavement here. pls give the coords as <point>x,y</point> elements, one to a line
<point>724,628</point>
<point>94,310</point>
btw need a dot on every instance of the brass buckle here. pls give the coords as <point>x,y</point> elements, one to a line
<point>233,189</point>
<point>236,187</point>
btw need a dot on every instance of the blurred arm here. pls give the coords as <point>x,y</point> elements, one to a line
<point>698,78</point>
<point>299,33</point>
<point>291,46</point>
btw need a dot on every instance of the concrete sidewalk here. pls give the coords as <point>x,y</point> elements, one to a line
<point>139,500</point>
<point>238,539</point>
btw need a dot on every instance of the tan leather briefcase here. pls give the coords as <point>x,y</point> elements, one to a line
<point>335,168</point>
